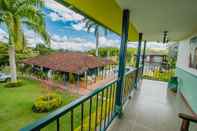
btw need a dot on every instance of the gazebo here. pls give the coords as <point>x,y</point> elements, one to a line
<point>79,65</point>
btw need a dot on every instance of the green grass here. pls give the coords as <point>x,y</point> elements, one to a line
<point>65,120</point>
<point>16,104</point>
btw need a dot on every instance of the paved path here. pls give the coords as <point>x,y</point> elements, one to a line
<point>152,108</point>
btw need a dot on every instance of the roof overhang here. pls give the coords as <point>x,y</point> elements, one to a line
<point>104,12</point>
<point>152,17</point>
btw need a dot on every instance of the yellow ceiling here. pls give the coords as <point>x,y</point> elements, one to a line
<point>105,12</point>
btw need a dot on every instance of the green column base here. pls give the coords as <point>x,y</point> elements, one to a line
<point>118,110</point>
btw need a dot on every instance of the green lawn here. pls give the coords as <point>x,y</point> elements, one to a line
<point>16,104</point>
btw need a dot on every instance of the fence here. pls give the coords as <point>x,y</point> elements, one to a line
<point>92,112</point>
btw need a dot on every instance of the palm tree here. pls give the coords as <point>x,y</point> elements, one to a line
<point>97,29</point>
<point>14,15</point>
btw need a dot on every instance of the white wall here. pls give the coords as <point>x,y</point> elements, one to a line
<point>183,56</point>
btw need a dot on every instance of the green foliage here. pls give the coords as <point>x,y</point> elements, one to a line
<point>5,69</point>
<point>25,53</point>
<point>47,103</point>
<point>3,48</point>
<point>20,54</point>
<point>103,52</point>
<point>114,52</point>
<point>71,78</point>
<point>14,84</point>
<point>57,76</point>
<point>41,74</point>
<point>17,101</point>
<point>130,56</point>
<point>3,54</point>
<point>172,62</point>
<point>26,69</point>
<point>42,49</point>
<point>15,14</point>
<point>158,75</point>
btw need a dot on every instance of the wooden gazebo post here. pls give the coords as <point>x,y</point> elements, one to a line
<point>78,82</point>
<point>86,83</point>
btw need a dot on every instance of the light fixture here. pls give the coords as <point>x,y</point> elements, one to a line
<point>165,37</point>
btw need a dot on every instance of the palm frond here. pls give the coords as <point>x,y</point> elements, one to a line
<point>14,13</point>
<point>30,12</point>
<point>9,22</point>
<point>4,4</point>
<point>1,17</point>
<point>38,29</point>
<point>22,3</point>
<point>96,30</point>
<point>89,27</point>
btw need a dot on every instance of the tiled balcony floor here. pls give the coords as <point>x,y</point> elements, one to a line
<point>152,108</point>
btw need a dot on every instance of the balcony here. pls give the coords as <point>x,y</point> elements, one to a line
<point>129,103</point>
<point>152,108</point>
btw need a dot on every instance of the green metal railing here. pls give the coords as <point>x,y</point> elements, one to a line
<point>92,112</point>
<point>129,83</point>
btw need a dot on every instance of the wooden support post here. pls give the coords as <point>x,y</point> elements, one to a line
<point>78,82</point>
<point>122,58</point>
<point>102,73</point>
<point>86,79</point>
<point>95,74</point>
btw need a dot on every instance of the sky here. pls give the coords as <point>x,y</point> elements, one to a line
<point>67,31</point>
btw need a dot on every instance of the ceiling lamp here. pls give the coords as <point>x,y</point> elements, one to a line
<point>165,37</point>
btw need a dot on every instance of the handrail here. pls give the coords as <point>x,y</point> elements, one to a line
<point>130,71</point>
<point>54,116</point>
<point>186,119</point>
<point>63,110</point>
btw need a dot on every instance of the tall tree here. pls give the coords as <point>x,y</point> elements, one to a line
<point>14,15</point>
<point>97,31</point>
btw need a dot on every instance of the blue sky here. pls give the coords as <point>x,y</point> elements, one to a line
<point>64,27</point>
<point>67,31</point>
<point>67,27</point>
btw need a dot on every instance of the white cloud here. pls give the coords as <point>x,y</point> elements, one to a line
<point>3,36</point>
<point>57,38</point>
<point>76,44</point>
<point>79,26</point>
<point>62,11</point>
<point>55,17</point>
<point>32,38</point>
<point>105,42</point>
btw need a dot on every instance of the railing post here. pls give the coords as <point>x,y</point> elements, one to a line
<point>123,49</point>
<point>143,57</point>
<point>138,58</point>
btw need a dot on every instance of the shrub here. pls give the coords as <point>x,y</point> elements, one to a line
<point>71,78</point>
<point>57,77</point>
<point>47,103</point>
<point>14,84</point>
<point>40,74</point>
